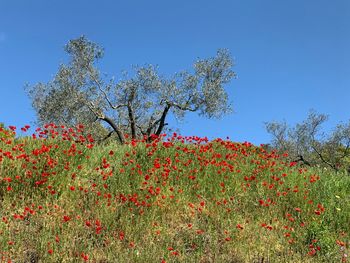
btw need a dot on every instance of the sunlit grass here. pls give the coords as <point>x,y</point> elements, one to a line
<point>64,199</point>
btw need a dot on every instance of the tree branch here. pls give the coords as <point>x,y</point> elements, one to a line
<point>131,114</point>
<point>104,93</point>
<point>323,159</point>
<point>101,116</point>
<point>301,159</point>
<point>346,151</point>
<point>115,128</point>
<point>162,119</point>
<point>107,136</point>
<point>184,108</point>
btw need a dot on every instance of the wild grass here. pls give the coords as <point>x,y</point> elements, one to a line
<point>63,199</point>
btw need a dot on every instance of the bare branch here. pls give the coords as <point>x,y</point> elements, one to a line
<point>184,108</point>
<point>104,93</point>
<point>107,136</point>
<point>323,159</point>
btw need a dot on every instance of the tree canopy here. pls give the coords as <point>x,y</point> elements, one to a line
<point>138,105</point>
<point>306,143</point>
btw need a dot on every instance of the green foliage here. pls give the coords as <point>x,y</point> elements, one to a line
<point>306,143</point>
<point>136,105</point>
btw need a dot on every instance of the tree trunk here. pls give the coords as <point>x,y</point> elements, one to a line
<point>132,121</point>
<point>115,128</point>
<point>162,120</point>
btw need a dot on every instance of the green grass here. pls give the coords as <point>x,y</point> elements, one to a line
<point>196,201</point>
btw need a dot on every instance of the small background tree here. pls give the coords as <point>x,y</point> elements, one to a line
<point>137,105</point>
<point>306,143</point>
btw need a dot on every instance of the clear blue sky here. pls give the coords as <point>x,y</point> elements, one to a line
<point>290,56</point>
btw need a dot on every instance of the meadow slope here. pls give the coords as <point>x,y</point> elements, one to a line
<point>177,199</point>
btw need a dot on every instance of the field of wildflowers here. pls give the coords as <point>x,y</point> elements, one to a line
<point>176,199</point>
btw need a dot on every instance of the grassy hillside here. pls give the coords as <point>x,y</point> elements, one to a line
<point>63,199</point>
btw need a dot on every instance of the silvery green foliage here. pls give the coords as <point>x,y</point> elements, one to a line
<point>64,100</point>
<point>279,132</point>
<point>307,143</point>
<point>137,105</point>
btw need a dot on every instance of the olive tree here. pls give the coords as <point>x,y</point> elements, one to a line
<point>136,105</point>
<point>306,143</point>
